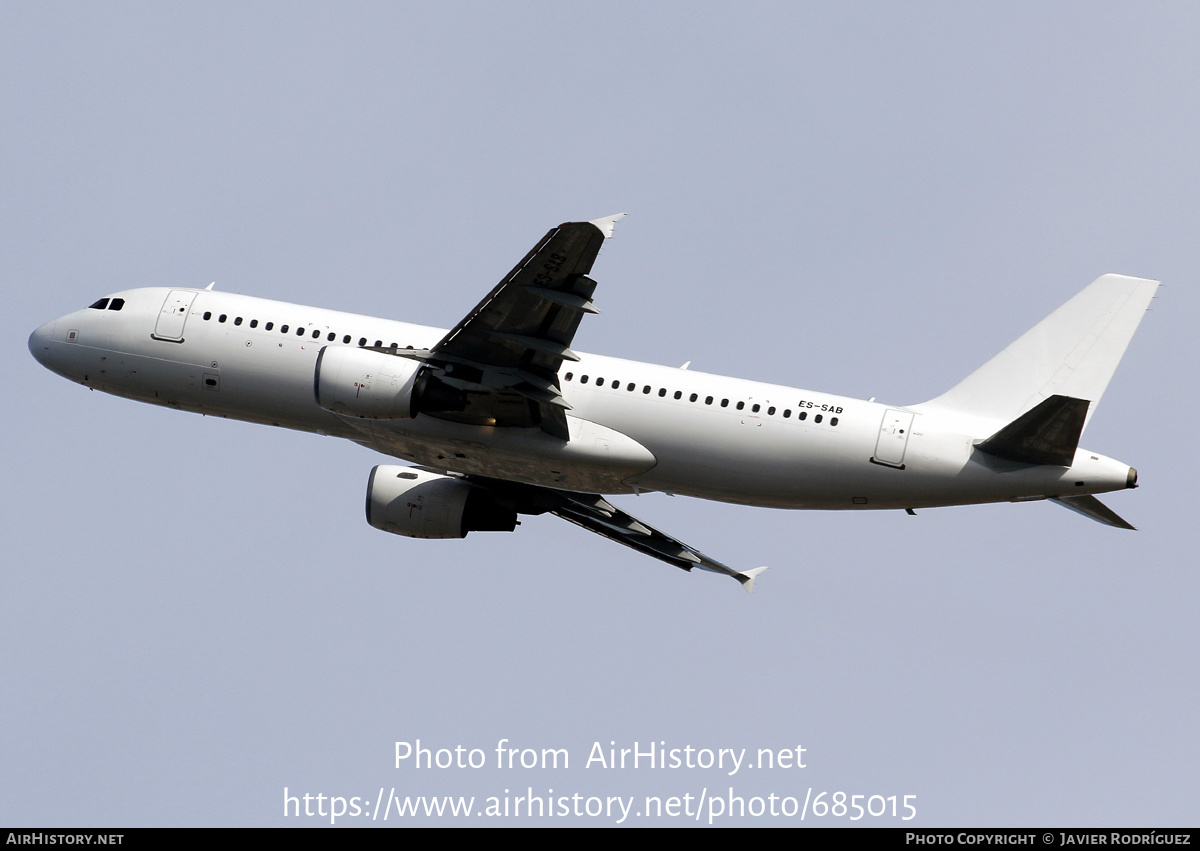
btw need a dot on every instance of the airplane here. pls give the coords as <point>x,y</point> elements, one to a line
<point>498,417</point>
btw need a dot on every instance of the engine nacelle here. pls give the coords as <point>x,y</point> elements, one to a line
<point>418,504</point>
<point>366,383</point>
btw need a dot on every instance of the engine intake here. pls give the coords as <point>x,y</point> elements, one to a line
<point>365,383</point>
<point>419,504</point>
<point>375,385</point>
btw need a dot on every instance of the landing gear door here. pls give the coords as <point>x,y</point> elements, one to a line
<point>893,438</point>
<point>173,315</point>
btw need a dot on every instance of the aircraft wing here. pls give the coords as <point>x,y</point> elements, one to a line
<point>596,514</point>
<point>505,355</point>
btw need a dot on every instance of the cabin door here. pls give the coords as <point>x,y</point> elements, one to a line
<point>893,438</point>
<point>173,315</point>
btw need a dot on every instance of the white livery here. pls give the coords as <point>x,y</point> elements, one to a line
<point>499,417</point>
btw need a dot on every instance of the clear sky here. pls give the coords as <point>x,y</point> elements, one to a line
<point>864,199</point>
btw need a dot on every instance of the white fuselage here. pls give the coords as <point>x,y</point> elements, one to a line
<point>634,426</point>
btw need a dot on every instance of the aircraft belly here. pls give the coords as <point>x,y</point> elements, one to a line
<point>596,459</point>
<point>760,461</point>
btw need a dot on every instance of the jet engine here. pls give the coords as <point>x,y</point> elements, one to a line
<point>375,385</point>
<point>365,383</point>
<point>419,504</point>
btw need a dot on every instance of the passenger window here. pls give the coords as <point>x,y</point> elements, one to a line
<point>646,389</point>
<point>237,321</point>
<point>379,344</point>
<point>583,379</point>
<point>770,412</point>
<point>708,400</point>
<point>268,326</point>
<point>283,329</point>
<point>631,387</point>
<point>724,403</point>
<point>833,421</point>
<point>253,323</point>
<point>332,336</point>
<point>100,305</point>
<point>787,413</point>
<point>300,331</point>
<point>599,382</point>
<point>803,415</point>
<point>222,318</point>
<point>692,398</point>
<point>568,376</point>
<point>362,341</point>
<point>316,334</point>
<point>662,391</point>
<point>678,394</point>
<point>346,339</point>
<point>817,418</point>
<point>741,405</point>
<point>207,315</point>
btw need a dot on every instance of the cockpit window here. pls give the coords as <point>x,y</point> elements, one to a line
<point>100,305</point>
<point>116,304</point>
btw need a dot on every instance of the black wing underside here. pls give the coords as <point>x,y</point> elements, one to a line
<point>501,362</point>
<point>596,514</point>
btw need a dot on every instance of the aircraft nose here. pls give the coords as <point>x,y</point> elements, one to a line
<point>40,340</point>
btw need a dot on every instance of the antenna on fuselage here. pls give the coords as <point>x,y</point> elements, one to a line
<point>210,286</point>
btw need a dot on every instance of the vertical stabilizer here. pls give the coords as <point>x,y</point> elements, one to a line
<point>1073,352</point>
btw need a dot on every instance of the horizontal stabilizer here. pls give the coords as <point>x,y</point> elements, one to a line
<point>1048,433</point>
<point>1091,507</point>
